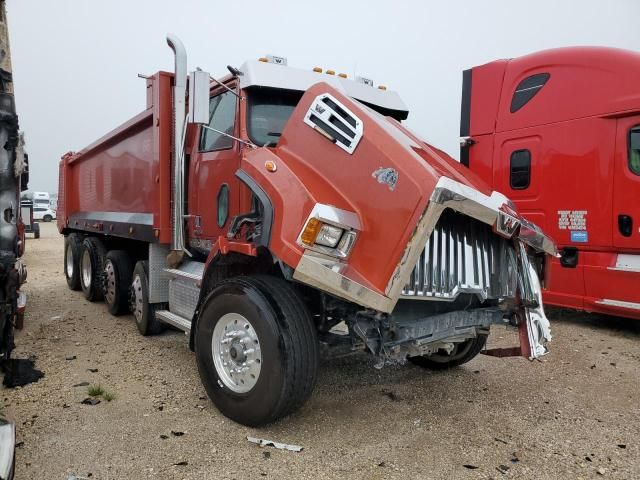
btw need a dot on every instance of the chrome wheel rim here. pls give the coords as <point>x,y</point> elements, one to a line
<point>236,353</point>
<point>109,283</point>
<point>69,263</point>
<point>137,298</point>
<point>86,269</point>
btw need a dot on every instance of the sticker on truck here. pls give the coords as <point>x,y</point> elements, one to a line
<point>579,236</point>
<point>572,220</point>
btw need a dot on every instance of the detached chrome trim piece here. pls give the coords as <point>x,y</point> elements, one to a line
<point>7,447</point>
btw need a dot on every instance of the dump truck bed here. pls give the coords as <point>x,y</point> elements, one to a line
<point>121,184</point>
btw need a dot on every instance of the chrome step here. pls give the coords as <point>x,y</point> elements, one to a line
<point>619,303</point>
<point>172,319</point>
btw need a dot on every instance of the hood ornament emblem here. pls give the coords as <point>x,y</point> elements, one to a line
<point>387,176</point>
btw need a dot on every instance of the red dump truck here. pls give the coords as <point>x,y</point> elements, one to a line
<point>558,131</point>
<point>288,214</point>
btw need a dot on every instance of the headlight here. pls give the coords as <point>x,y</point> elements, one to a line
<point>330,237</point>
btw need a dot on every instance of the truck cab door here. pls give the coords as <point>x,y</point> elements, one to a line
<point>213,190</point>
<point>626,185</point>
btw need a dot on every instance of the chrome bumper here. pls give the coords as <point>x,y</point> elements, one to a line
<point>7,448</point>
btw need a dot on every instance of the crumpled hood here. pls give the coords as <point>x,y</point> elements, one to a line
<point>387,179</point>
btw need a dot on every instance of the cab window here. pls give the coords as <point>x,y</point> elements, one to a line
<point>222,117</point>
<point>269,111</point>
<point>634,149</point>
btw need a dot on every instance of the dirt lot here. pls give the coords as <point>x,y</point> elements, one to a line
<point>575,415</point>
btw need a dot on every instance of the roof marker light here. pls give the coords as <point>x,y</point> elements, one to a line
<point>317,69</point>
<point>330,72</point>
<point>381,87</point>
<point>263,59</point>
<point>342,75</point>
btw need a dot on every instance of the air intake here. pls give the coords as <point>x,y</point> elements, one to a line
<point>334,121</point>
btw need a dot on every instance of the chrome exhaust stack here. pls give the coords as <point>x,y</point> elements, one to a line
<point>179,127</point>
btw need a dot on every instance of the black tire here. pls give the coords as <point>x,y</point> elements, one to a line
<point>72,251</point>
<point>92,256</point>
<point>143,311</point>
<point>36,230</point>
<point>463,353</point>
<point>47,218</point>
<point>288,347</point>
<point>118,270</point>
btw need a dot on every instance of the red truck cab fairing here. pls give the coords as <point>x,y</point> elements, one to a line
<point>559,133</point>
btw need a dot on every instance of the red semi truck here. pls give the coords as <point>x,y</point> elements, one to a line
<point>278,205</point>
<point>559,132</point>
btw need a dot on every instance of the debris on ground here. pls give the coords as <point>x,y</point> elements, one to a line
<point>81,384</point>
<point>177,433</point>
<point>270,443</point>
<point>70,357</point>
<point>470,466</point>
<point>181,463</point>
<point>90,401</point>
<point>19,372</point>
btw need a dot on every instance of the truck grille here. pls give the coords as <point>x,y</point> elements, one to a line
<point>463,255</point>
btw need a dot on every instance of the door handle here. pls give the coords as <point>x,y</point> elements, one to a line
<point>625,225</point>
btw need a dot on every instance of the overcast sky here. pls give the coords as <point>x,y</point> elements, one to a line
<point>76,62</point>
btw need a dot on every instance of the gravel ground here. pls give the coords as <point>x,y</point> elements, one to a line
<point>574,415</point>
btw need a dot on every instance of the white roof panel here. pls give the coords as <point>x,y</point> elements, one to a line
<point>256,73</point>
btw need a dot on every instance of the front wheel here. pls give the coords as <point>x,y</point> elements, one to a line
<point>257,349</point>
<point>462,352</point>
<point>47,218</point>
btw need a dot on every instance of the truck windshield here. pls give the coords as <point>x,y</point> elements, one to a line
<point>269,111</point>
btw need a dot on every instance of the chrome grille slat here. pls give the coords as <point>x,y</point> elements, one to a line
<point>463,255</point>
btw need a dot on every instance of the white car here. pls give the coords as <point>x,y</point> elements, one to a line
<point>44,213</point>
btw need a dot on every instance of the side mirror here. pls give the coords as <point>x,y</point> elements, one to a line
<point>198,97</point>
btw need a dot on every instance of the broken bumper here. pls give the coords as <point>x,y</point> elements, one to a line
<point>7,448</point>
<point>332,275</point>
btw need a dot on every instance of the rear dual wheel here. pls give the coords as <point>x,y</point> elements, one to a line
<point>92,258</point>
<point>143,311</point>
<point>118,270</point>
<point>256,349</point>
<point>72,251</point>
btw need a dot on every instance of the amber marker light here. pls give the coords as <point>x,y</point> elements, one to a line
<point>270,165</point>
<point>381,87</point>
<point>310,232</point>
<point>342,75</point>
<point>317,69</point>
<point>330,72</point>
<point>263,59</point>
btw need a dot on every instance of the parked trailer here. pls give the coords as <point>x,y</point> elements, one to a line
<point>280,204</point>
<point>559,131</point>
